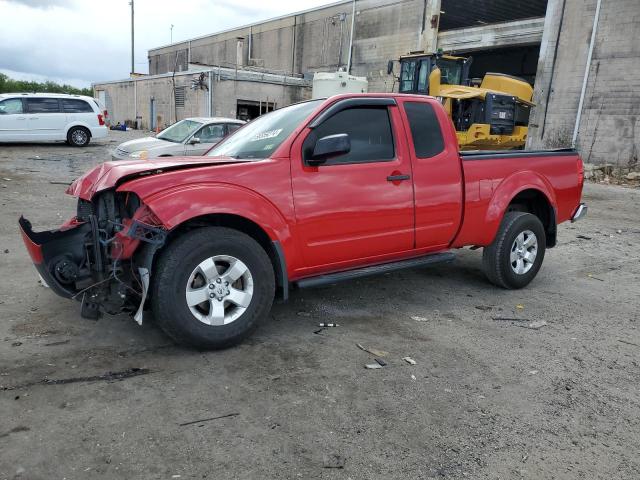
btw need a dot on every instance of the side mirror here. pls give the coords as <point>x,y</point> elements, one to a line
<point>194,140</point>
<point>329,147</point>
<point>389,67</point>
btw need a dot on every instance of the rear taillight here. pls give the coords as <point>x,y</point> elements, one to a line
<point>100,119</point>
<point>580,166</point>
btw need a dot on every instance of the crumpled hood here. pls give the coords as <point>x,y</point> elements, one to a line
<point>109,174</point>
<point>146,143</point>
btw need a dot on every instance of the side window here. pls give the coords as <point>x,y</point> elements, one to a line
<point>11,106</point>
<point>72,105</point>
<point>423,76</point>
<point>425,129</point>
<point>232,127</point>
<point>369,129</point>
<point>407,74</point>
<point>211,133</point>
<point>43,105</point>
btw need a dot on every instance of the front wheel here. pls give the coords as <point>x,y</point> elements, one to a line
<point>517,252</point>
<point>212,287</point>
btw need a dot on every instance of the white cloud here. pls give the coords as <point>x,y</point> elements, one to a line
<point>80,42</point>
<point>34,77</point>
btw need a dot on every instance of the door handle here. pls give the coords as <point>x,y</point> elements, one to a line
<point>398,178</point>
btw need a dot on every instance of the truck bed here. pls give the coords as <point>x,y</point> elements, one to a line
<point>494,154</point>
<point>493,178</point>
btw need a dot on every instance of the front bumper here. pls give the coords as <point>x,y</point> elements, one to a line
<point>580,213</point>
<point>115,155</point>
<point>56,255</point>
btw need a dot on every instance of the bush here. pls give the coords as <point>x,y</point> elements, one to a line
<point>9,85</point>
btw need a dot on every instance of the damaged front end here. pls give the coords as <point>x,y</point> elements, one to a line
<point>101,257</point>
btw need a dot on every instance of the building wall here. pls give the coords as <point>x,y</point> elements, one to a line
<point>610,126</point>
<point>121,98</point>
<point>311,41</point>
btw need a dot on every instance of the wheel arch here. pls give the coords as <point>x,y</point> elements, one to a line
<point>78,124</point>
<point>535,202</point>
<point>183,208</point>
<point>273,248</point>
<point>527,192</point>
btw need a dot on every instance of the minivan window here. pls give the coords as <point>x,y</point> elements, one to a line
<point>369,130</point>
<point>43,105</point>
<point>11,106</point>
<point>72,105</point>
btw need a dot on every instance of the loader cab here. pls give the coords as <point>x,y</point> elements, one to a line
<point>415,70</point>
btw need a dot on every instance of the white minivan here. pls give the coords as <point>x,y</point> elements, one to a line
<point>37,117</point>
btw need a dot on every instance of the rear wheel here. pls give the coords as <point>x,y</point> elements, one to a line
<point>212,287</point>
<point>78,137</point>
<point>516,254</point>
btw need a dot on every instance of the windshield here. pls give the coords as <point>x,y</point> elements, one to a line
<point>179,132</point>
<point>260,137</point>
<point>451,72</point>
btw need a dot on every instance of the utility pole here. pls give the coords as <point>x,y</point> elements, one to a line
<point>353,22</point>
<point>132,40</point>
<point>172,32</point>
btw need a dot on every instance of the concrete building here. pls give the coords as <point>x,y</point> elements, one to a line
<point>546,44</point>
<point>594,99</point>
<point>156,101</point>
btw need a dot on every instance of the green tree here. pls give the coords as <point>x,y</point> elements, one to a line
<point>9,85</point>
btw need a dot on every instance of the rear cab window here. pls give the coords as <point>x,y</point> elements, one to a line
<point>43,105</point>
<point>425,129</point>
<point>369,130</point>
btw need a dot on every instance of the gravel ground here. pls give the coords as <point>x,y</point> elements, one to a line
<point>488,398</point>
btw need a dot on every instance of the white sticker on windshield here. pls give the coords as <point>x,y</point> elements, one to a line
<point>265,135</point>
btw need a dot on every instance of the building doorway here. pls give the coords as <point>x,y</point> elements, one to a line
<point>152,114</point>
<point>249,109</point>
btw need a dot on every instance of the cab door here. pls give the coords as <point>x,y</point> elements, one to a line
<point>357,205</point>
<point>437,172</point>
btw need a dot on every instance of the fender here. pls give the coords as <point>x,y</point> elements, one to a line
<point>69,126</point>
<point>176,205</point>
<point>505,192</point>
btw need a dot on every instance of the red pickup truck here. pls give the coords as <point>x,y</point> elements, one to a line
<point>313,193</point>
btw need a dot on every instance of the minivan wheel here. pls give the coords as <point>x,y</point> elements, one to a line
<point>517,252</point>
<point>78,137</point>
<point>212,287</point>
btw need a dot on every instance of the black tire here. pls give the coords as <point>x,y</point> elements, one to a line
<point>496,258</point>
<point>78,137</point>
<point>172,273</point>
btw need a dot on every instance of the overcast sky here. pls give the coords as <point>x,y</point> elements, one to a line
<point>83,41</point>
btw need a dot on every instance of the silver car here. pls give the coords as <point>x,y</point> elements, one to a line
<point>188,137</point>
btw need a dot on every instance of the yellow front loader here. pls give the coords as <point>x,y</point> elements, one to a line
<point>492,113</point>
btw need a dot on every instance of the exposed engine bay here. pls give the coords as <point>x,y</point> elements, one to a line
<point>102,257</point>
